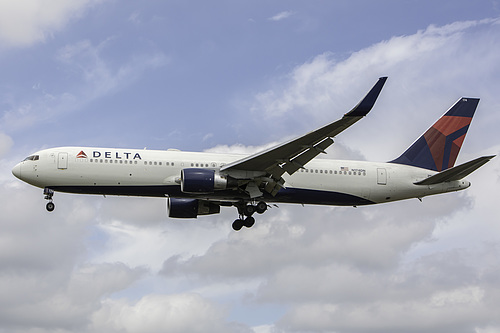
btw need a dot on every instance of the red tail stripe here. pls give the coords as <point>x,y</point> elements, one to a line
<point>450,124</point>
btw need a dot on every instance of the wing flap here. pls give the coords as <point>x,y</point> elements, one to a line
<point>456,173</point>
<point>301,160</point>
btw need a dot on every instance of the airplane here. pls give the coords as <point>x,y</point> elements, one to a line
<point>197,183</point>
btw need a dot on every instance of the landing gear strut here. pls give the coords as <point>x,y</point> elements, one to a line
<point>48,196</point>
<point>246,211</point>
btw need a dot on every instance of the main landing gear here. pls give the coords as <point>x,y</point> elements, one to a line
<point>48,196</point>
<point>246,211</point>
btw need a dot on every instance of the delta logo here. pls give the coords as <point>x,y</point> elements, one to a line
<point>81,155</point>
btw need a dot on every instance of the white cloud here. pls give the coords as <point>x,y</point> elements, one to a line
<point>442,292</point>
<point>92,265</point>
<point>65,302</point>
<point>155,313</point>
<point>281,16</point>
<point>239,149</point>
<point>26,22</point>
<point>5,144</point>
<point>97,74</point>
<point>428,71</point>
<point>357,268</point>
<point>93,77</point>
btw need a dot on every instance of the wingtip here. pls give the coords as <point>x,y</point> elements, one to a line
<point>367,103</point>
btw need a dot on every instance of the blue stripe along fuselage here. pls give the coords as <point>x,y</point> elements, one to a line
<point>285,195</point>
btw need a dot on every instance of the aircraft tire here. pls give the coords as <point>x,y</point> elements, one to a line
<point>238,224</point>
<point>261,207</point>
<point>50,206</point>
<point>249,210</point>
<point>249,222</point>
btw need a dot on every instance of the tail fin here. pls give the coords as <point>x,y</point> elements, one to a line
<point>437,149</point>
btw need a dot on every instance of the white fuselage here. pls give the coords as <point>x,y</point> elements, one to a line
<point>157,173</point>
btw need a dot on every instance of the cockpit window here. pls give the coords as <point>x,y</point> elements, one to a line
<point>32,158</point>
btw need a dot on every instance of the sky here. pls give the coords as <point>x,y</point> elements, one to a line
<point>238,76</point>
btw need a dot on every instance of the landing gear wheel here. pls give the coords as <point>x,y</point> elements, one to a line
<point>249,210</point>
<point>245,211</point>
<point>249,222</point>
<point>49,193</point>
<point>261,207</point>
<point>50,206</point>
<point>238,224</point>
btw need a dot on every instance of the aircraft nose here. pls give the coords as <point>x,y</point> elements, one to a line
<point>16,171</point>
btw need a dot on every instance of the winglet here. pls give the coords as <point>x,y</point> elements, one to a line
<point>368,101</point>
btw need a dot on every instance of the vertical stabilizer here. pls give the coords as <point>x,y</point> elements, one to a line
<point>437,149</point>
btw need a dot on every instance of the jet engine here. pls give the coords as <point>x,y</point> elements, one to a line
<point>190,208</point>
<point>198,181</point>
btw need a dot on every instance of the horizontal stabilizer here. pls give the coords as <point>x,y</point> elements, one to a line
<point>456,173</point>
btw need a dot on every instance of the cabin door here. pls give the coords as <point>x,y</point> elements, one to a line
<point>62,161</point>
<point>381,176</point>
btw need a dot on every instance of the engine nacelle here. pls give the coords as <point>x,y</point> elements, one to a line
<point>190,208</point>
<point>203,181</point>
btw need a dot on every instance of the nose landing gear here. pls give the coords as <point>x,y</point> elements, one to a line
<point>48,196</point>
<point>246,211</point>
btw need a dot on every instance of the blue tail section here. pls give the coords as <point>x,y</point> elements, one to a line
<point>437,149</point>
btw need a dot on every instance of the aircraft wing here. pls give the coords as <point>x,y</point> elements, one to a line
<point>456,173</point>
<point>294,154</point>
